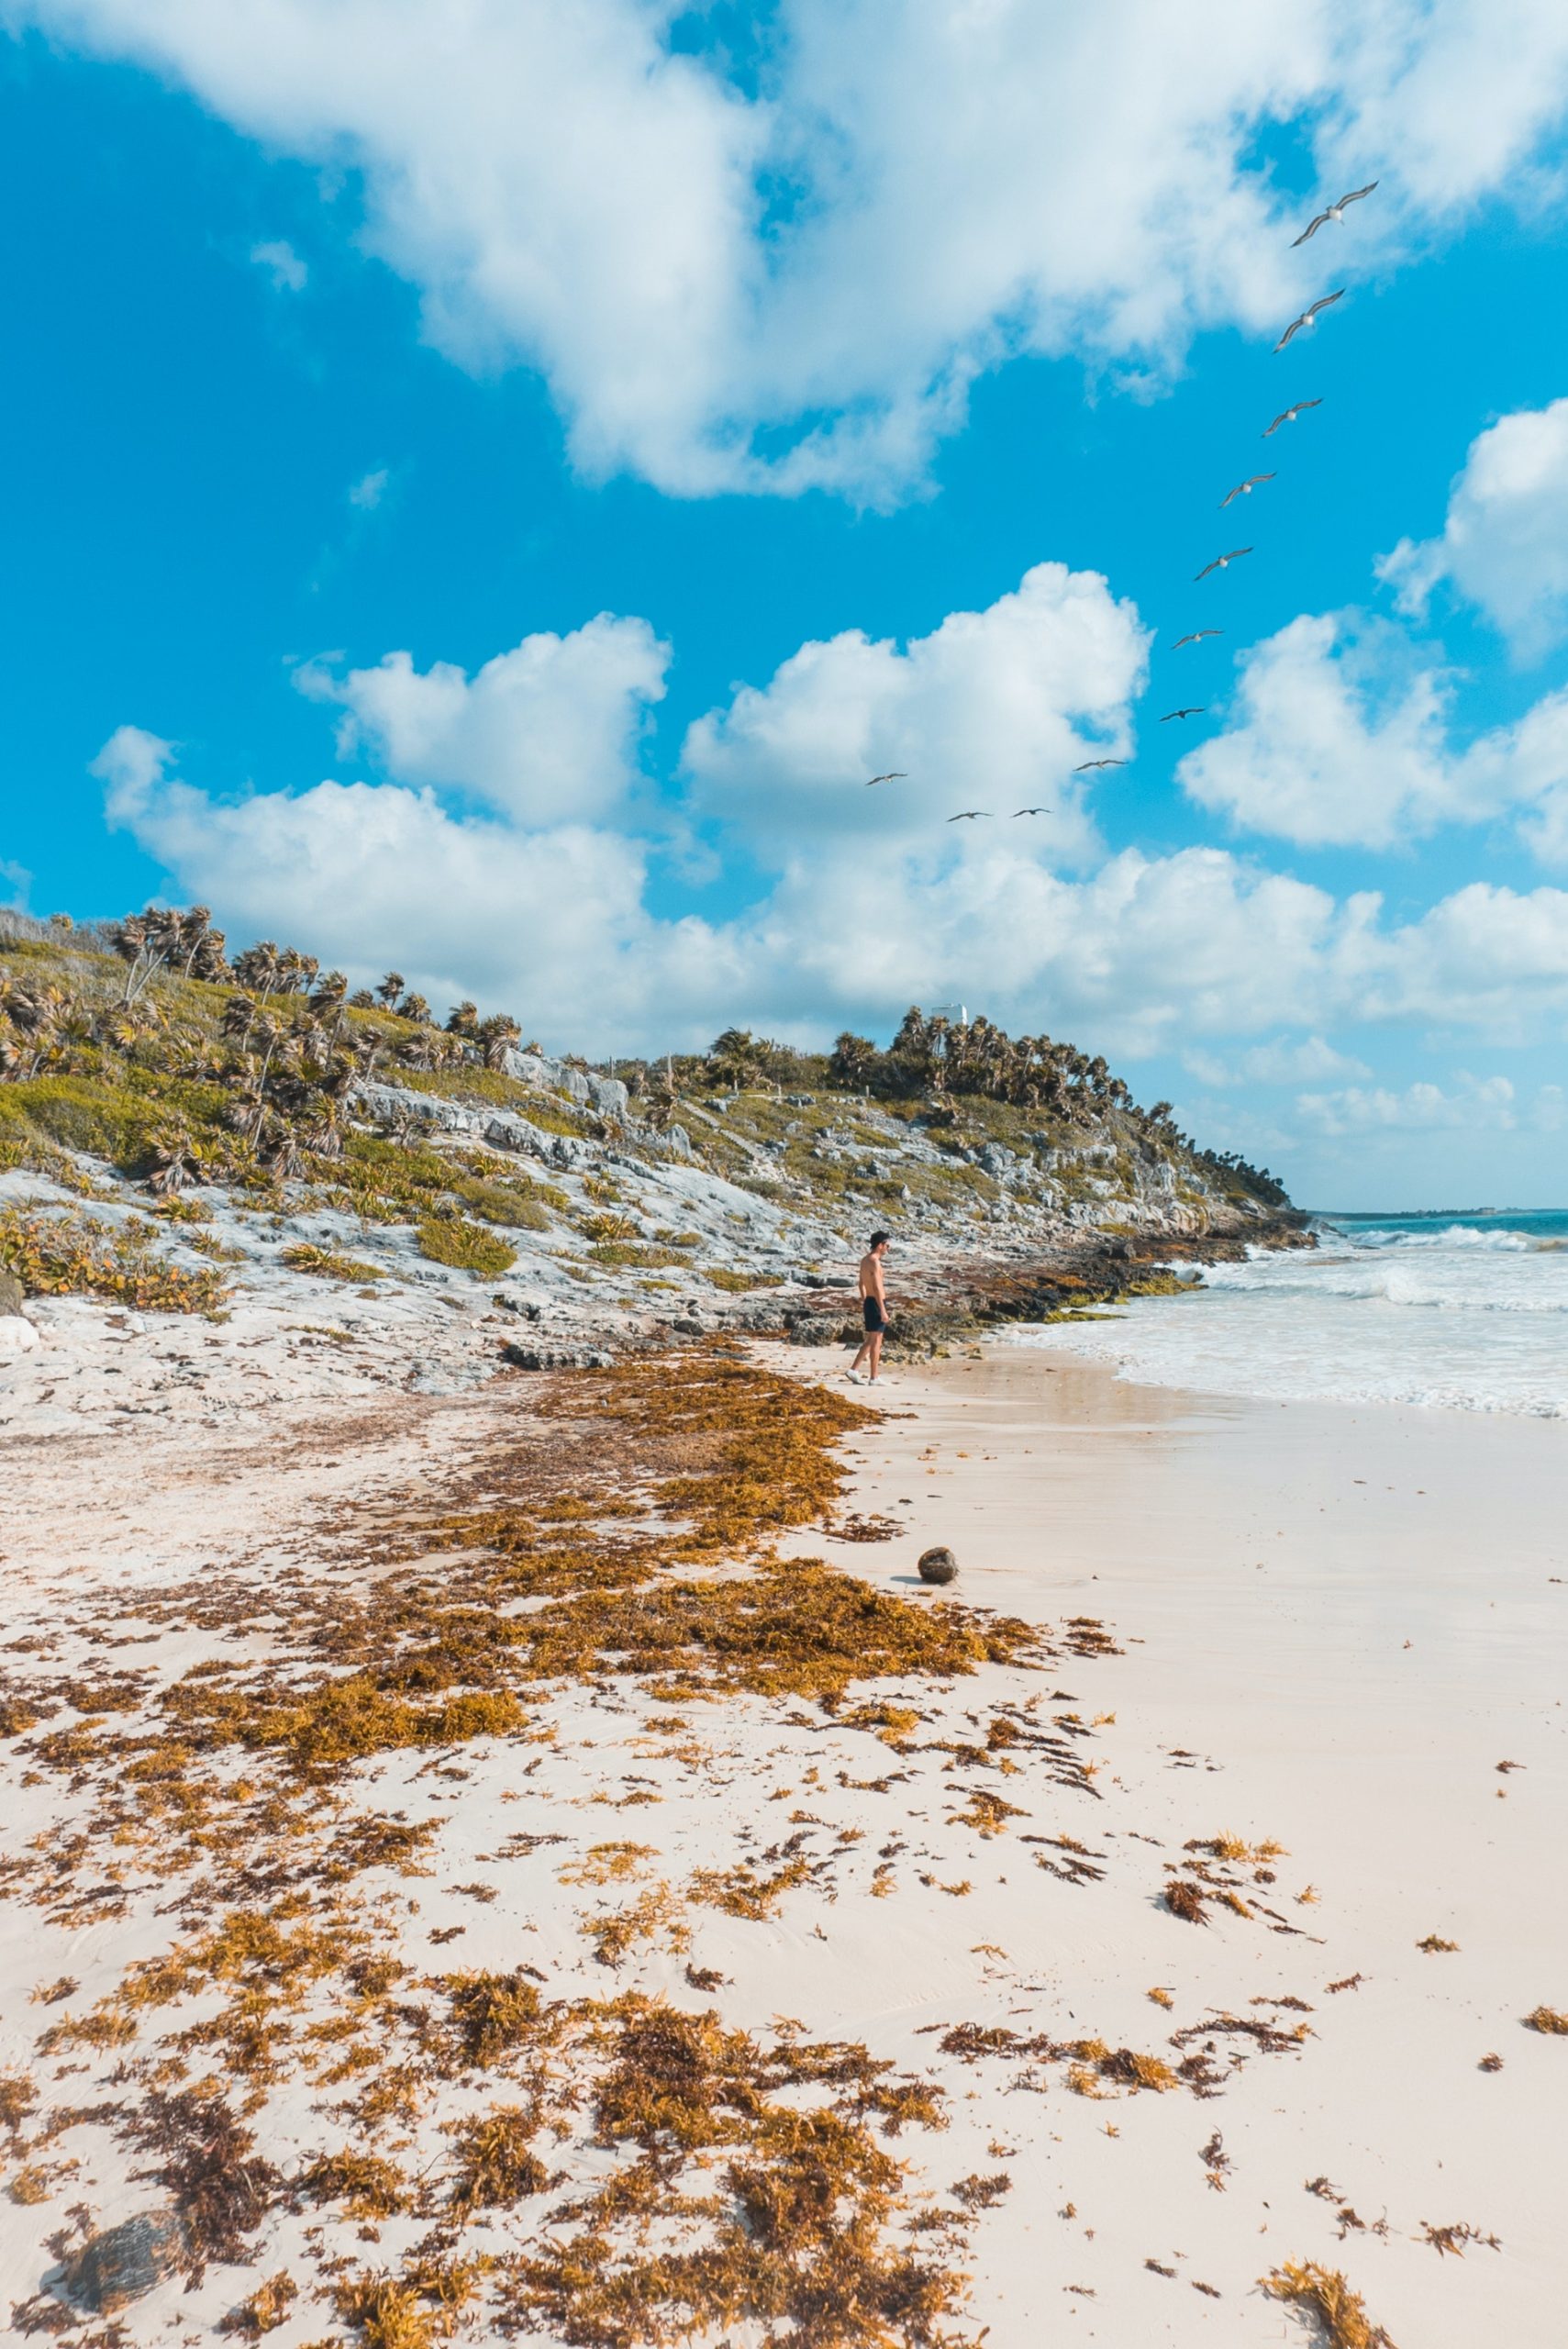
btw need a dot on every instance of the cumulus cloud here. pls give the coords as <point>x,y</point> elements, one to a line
<point>1279,1062</point>
<point>283,264</point>
<point>985,712</point>
<point>1505,543</point>
<point>547,733</point>
<point>554,923</point>
<point>1473,1103</point>
<point>551,920</point>
<point>895,196</point>
<point>1338,736</point>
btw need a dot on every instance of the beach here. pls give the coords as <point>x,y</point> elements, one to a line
<point>1337,1622</point>
<point>1279,1652</point>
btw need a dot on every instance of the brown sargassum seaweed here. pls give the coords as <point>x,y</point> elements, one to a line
<point>662,2176</point>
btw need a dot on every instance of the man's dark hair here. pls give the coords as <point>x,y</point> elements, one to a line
<point>877,1238</point>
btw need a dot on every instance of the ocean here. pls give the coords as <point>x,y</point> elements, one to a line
<point>1463,1312</point>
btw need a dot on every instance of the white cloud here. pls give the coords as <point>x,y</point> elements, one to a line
<point>288,273</point>
<point>1276,1062</point>
<point>547,733</point>
<point>1488,1103</point>
<point>982,713</point>
<point>1504,542</point>
<point>913,189</point>
<point>1145,953</point>
<point>369,490</point>
<point>1329,742</point>
<point>549,923</point>
<point>1338,736</point>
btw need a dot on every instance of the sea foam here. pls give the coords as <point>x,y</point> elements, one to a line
<point>1462,1313</point>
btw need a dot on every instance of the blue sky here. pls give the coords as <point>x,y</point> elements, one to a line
<point>485,507</point>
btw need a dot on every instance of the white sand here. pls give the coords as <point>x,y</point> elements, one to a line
<point>1350,1617</point>
<point>1334,1625</point>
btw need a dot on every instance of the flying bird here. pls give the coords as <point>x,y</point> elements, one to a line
<point>1309,316</point>
<point>1089,765</point>
<point>1289,415</point>
<point>1220,561</point>
<point>968,815</point>
<point>1198,712</point>
<point>1029,811</point>
<point>1243,488</point>
<point>894,775</point>
<point>1195,636</point>
<point>1335,212</point>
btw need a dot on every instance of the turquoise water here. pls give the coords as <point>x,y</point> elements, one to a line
<point>1465,1312</point>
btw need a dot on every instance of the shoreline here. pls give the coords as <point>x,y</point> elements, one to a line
<point>970,1878</point>
<point>1315,1607</point>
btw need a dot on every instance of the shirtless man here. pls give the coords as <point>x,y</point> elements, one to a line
<point>873,1303</point>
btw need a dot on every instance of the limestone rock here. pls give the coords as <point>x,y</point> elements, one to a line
<point>12,1294</point>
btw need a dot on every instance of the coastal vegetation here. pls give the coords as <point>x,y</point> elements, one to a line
<point>141,1053</point>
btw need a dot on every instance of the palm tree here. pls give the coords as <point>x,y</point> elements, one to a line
<point>497,1037</point>
<point>260,967</point>
<point>415,1008</point>
<point>852,1061</point>
<point>463,1019</point>
<point>329,995</point>
<point>177,1160</point>
<point>390,989</point>
<point>193,926</point>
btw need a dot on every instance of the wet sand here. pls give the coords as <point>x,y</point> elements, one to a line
<point>1337,1622</point>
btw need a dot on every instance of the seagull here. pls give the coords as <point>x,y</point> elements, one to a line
<point>1289,415</point>
<point>1220,561</point>
<point>1195,637</point>
<point>1029,811</point>
<point>1244,488</point>
<point>1309,316</point>
<point>892,775</point>
<point>1089,765</point>
<point>968,815</point>
<point>1335,212</point>
<point>1199,712</point>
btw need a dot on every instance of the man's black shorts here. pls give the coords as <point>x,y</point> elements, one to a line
<point>875,1317</point>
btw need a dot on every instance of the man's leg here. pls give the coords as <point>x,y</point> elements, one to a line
<point>874,1346</point>
<point>866,1345</point>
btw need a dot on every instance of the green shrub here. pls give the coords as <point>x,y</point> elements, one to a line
<point>467,1247</point>
<point>724,1277</point>
<point>55,1255</point>
<point>306,1257</point>
<point>504,1203</point>
<point>626,1253</point>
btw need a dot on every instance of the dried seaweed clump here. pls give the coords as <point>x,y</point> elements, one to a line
<point>760,1445</point>
<point>221,2187</point>
<point>1547,2019</point>
<point>798,2239</point>
<point>268,2306</point>
<point>493,2015</point>
<point>1323,2296</point>
<point>366,2186</point>
<point>495,2160</point>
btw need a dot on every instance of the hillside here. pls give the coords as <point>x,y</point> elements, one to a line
<point>178,1130</point>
